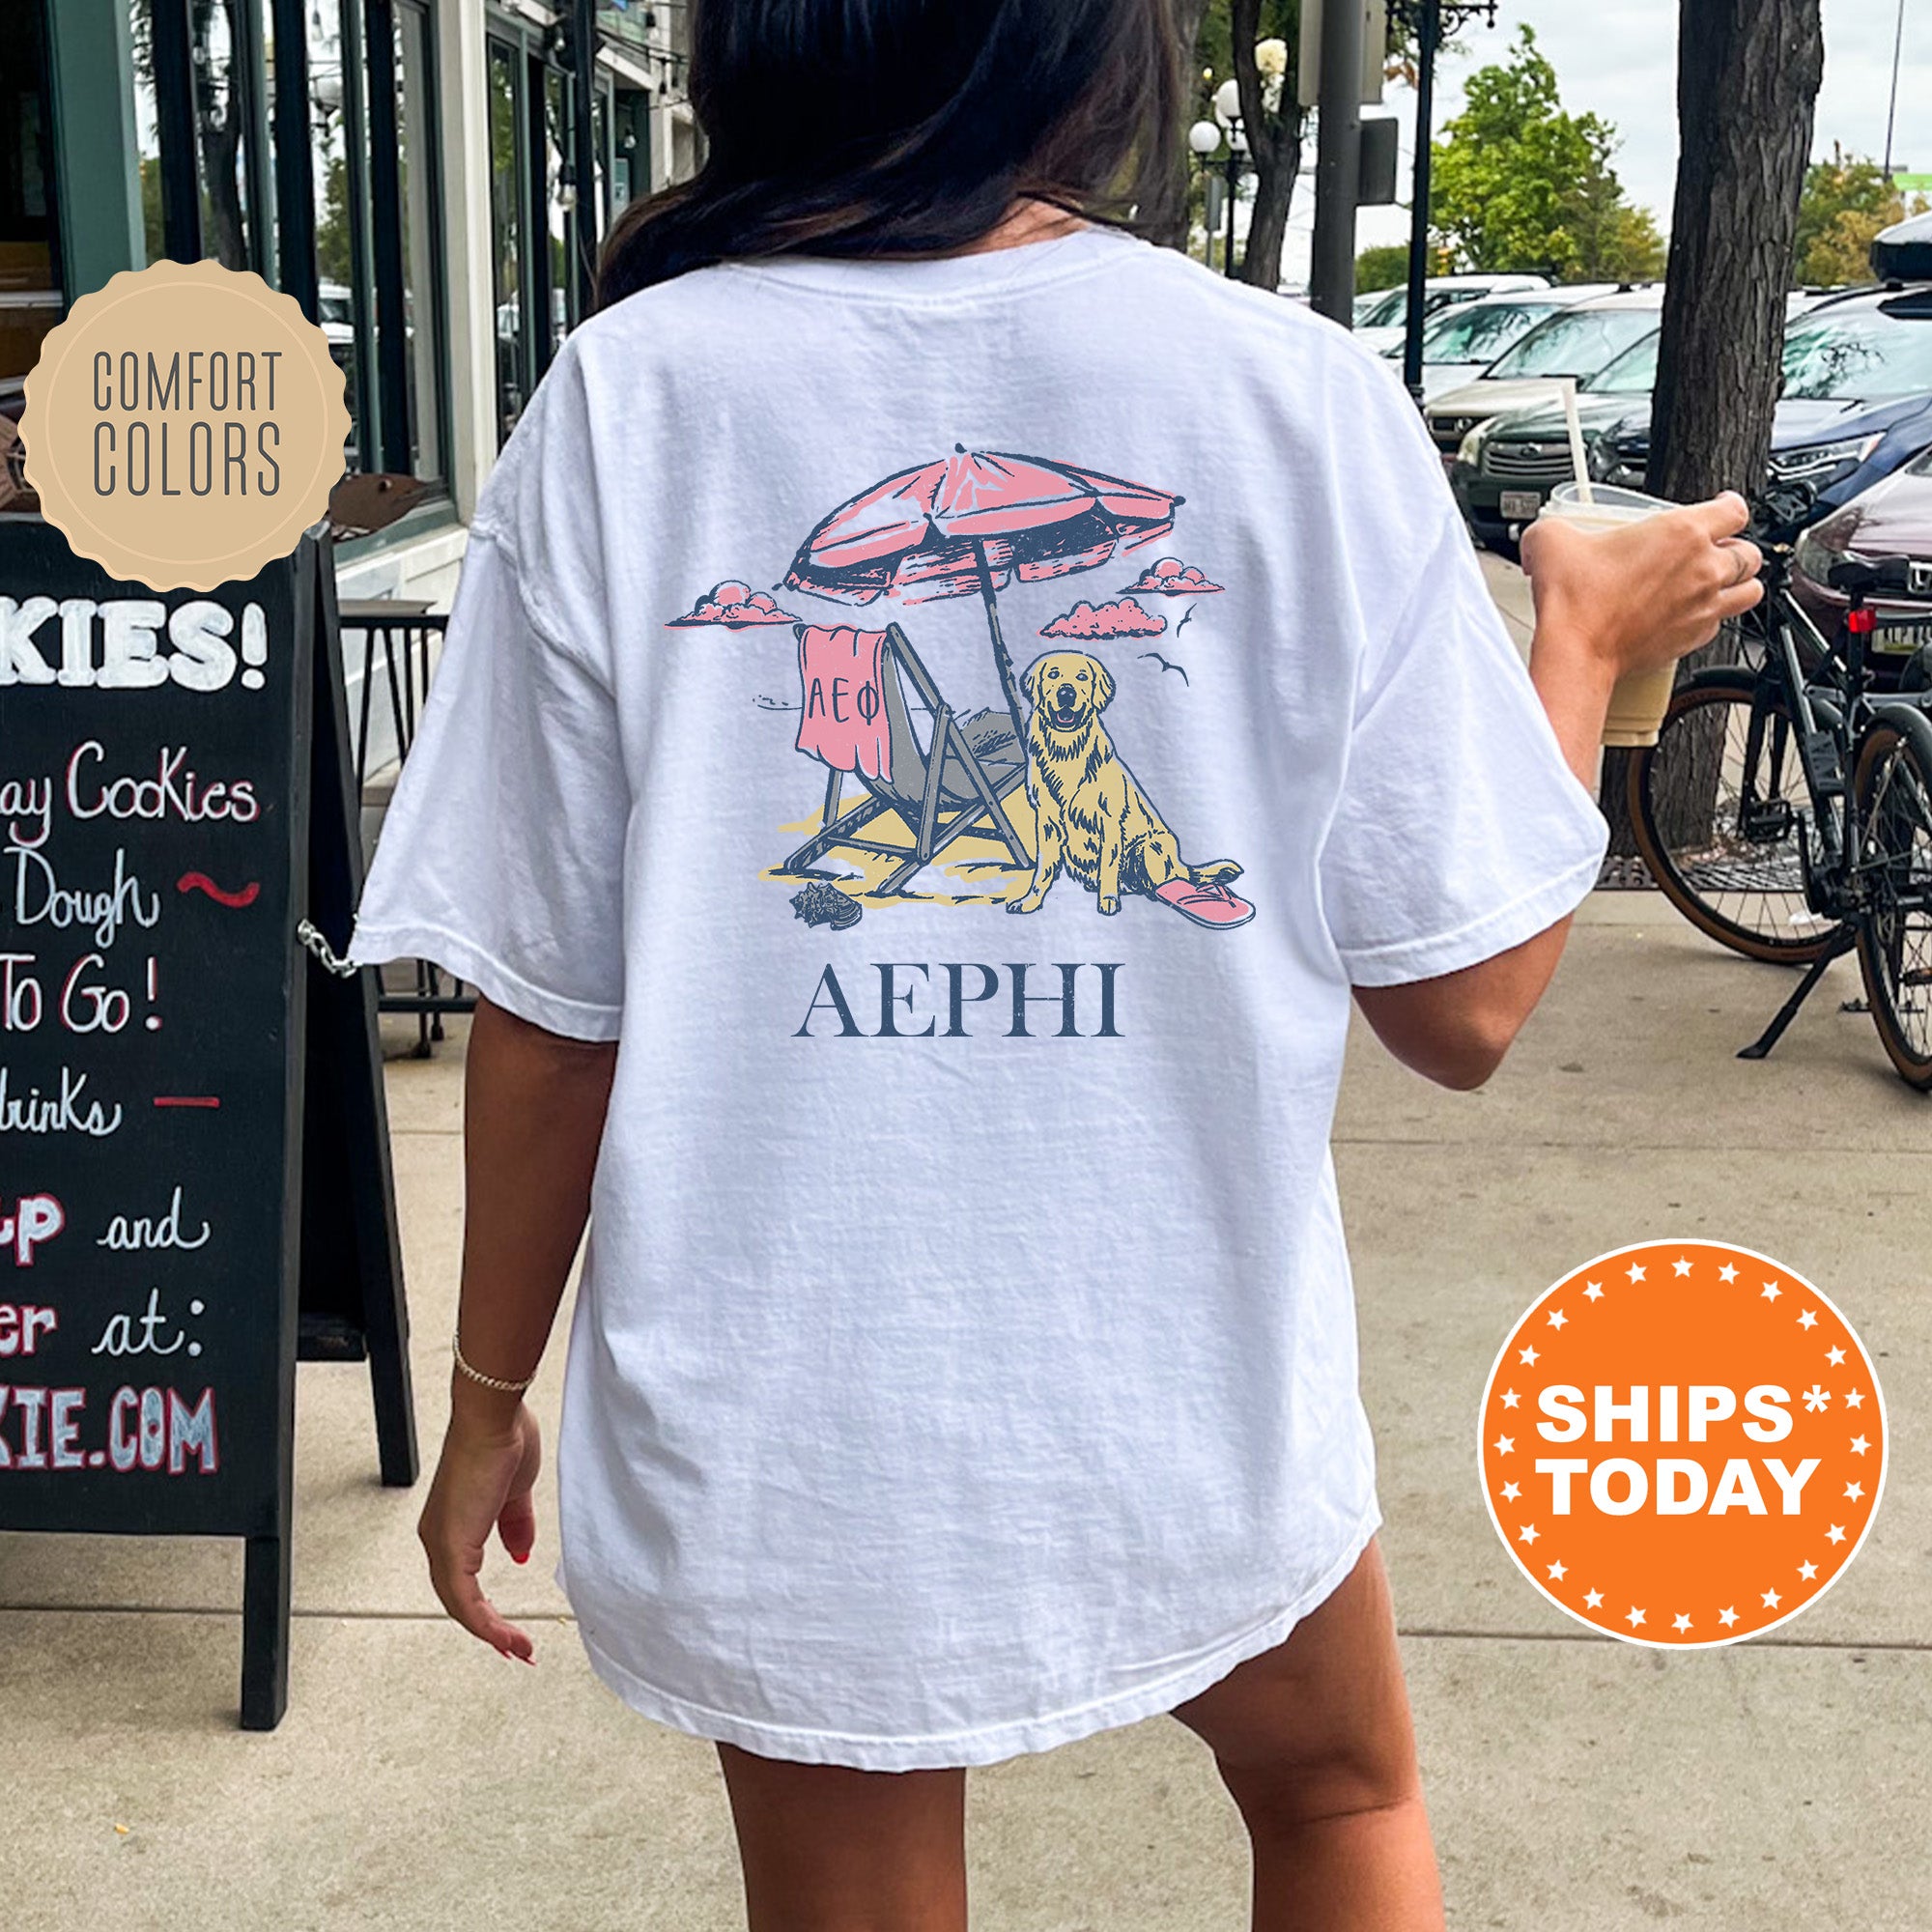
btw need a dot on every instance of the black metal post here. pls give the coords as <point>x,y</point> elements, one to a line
<point>385,201</point>
<point>177,116</point>
<point>583,45</point>
<point>1338,163</point>
<point>295,164</point>
<point>1428,39</point>
<point>1233,183</point>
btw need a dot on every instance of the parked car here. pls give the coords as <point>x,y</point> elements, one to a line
<point>1892,519</point>
<point>1856,403</point>
<point>1387,320</point>
<point>1903,252</point>
<point>1507,465</point>
<point>1576,342</point>
<point>1459,343</point>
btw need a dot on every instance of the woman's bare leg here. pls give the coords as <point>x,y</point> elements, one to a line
<point>1314,1742</point>
<point>826,1849</point>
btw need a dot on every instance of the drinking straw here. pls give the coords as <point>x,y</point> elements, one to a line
<point>1580,457</point>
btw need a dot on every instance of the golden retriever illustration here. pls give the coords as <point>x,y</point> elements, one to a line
<point>1095,821</point>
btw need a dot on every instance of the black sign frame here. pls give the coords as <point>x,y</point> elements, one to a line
<point>312,1269</point>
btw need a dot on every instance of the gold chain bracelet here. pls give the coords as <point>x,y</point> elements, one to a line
<point>477,1376</point>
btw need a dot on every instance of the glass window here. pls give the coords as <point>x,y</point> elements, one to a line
<point>1578,342</point>
<point>222,97</point>
<point>1633,373</point>
<point>30,298</point>
<point>337,236</point>
<point>1481,331</point>
<point>506,225</point>
<point>559,199</point>
<point>1863,356</point>
<point>415,142</point>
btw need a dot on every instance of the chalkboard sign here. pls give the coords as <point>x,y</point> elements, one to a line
<point>173,803</point>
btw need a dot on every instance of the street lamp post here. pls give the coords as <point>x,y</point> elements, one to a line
<point>1429,21</point>
<point>1206,136</point>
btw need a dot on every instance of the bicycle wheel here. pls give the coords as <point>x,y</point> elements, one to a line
<point>1718,807</point>
<point>1894,796</point>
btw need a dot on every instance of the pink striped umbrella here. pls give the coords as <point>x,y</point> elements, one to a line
<point>973,522</point>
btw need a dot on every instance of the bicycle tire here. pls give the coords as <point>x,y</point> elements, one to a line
<point>1894,798</point>
<point>1747,894</point>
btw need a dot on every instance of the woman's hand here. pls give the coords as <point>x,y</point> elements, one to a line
<point>482,1483</point>
<point>1639,598</point>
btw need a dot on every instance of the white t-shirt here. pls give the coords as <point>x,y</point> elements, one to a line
<point>963,1367</point>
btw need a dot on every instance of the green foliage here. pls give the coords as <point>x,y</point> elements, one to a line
<point>1523,187</point>
<point>1846,200</point>
<point>1381,267</point>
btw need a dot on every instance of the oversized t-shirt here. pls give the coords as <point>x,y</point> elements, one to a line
<point>962,727</point>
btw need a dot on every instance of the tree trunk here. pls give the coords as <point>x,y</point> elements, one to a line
<point>1274,149</point>
<point>1747,77</point>
<point>1748,81</point>
<point>1175,231</point>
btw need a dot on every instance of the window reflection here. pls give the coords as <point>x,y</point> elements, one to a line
<point>416,161</point>
<point>221,88</point>
<point>506,229</point>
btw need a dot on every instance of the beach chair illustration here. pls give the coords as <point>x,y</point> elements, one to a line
<point>855,719</point>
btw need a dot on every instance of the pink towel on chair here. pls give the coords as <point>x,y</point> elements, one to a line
<point>842,719</point>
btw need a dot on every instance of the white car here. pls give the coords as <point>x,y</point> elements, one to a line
<point>1459,343</point>
<point>1386,320</point>
<point>1574,342</point>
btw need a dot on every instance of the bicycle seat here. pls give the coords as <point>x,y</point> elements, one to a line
<point>1880,575</point>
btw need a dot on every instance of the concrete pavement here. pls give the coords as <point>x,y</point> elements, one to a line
<point>420,1782</point>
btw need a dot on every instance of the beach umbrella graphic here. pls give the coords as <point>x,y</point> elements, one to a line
<point>967,525</point>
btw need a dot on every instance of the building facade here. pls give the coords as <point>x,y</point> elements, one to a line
<point>429,179</point>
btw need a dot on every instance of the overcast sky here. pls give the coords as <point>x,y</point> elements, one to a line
<point>1618,58</point>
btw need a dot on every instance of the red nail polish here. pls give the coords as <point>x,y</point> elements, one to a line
<point>523,1558</point>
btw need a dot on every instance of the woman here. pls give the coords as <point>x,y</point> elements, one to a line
<point>964,1359</point>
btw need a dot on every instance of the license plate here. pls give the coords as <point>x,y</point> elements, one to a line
<point>1895,640</point>
<point>1521,506</point>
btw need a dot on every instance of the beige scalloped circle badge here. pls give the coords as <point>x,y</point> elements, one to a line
<point>185,425</point>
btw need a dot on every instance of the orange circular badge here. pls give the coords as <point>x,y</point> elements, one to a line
<point>1683,1443</point>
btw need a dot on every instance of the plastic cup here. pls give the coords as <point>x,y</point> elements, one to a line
<point>1640,701</point>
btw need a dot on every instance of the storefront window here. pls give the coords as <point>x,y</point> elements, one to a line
<point>222,88</point>
<point>415,141</point>
<point>30,297</point>
<point>506,232</point>
<point>336,237</point>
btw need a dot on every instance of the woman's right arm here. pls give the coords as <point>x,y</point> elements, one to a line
<point>532,1120</point>
<point>1605,605</point>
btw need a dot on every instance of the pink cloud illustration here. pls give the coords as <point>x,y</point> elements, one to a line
<point>735,606</point>
<point>1171,578</point>
<point>1123,618</point>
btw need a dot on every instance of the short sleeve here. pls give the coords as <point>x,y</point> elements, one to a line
<point>1461,831</point>
<point>501,856</point>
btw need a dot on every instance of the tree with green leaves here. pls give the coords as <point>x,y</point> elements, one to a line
<point>1382,267</point>
<point>1521,186</point>
<point>1846,200</point>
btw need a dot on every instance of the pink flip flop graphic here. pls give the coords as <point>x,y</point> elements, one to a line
<point>1205,905</point>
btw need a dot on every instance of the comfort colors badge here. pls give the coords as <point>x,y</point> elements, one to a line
<point>1683,1445</point>
<point>185,425</point>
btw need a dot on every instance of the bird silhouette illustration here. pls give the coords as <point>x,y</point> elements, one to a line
<point>1166,666</point>
<point>1184,616</point>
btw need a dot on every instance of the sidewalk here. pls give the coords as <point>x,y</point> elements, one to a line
<point>420,1782</point>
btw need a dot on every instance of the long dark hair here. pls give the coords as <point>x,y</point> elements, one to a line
<point>908,127</point>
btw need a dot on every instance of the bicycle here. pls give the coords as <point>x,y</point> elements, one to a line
<point>1787,814</point>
